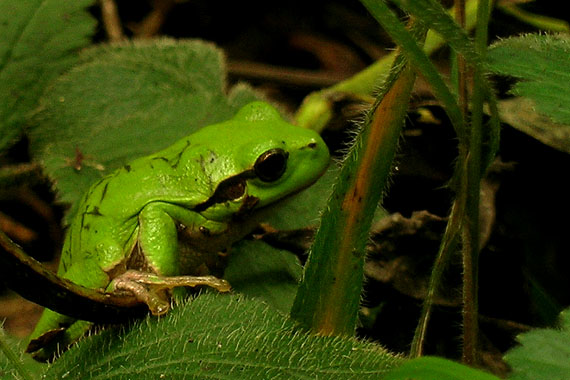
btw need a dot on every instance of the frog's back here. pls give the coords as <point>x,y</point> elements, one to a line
<point>105,226</point>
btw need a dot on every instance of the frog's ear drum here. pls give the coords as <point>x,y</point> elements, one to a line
<point>271,165</point>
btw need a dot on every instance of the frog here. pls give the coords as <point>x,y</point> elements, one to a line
<point>124,237</point>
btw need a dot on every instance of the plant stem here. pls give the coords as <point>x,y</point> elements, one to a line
<point>19,174</point>
<point>317,108</point>
<point>111,20</point>
<point>471,229</point>
<point>461,64</point>
<point>328,298</point>
<point>329,295</point>
<point>447,246</point>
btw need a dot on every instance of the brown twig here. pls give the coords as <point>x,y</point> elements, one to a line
<point>111,20</point>
<point>152,23</point>
<point>16,230</point>
<point>299,77</point>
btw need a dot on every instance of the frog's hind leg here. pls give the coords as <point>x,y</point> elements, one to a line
<point>47,346</point>
<point>54,331</point>
<point>149,288</point>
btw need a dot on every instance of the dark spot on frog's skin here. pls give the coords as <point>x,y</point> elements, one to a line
<point>95,211</point>
<point>127,168</point>
<point>312,145</point>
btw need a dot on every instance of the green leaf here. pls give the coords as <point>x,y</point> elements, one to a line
<point>302,209</point>
<point>520,113</point>
<point>39,41</point>
<point>14,364</point>
<point>125,101</point>
<point>542,65</point>
<point>544,354</point>
<point>258,270</point>
<point>220,337</point>
<point>432,368</point>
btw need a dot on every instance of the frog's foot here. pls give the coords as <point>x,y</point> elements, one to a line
<point>152,289</point>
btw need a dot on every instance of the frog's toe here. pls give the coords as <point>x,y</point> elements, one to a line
<point>158,302</point>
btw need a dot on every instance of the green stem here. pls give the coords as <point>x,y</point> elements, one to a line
<point>317,108</point>
<point>328,298</point>
<point>447,246</point>
<point>539,21</point>
<point>471,226</point>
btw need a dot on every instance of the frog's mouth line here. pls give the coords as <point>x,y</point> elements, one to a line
<point>227,190</point>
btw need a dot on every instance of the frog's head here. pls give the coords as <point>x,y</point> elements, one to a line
<point>268,159</point>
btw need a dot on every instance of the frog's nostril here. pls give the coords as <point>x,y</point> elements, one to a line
<point>312,145</point>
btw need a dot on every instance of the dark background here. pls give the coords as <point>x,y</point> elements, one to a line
<point>288,49</point>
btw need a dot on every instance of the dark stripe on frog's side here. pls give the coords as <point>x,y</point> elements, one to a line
<point>227,190</point>
<point>179,155</point>
<point>104,192</point>
<point>174,162</point>
<point>94,212</point>
<point>158,159</point>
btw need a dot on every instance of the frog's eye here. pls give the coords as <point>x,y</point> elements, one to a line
<point>271,165</point>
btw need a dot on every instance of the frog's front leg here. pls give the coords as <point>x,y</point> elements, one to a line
<point>158,240</point>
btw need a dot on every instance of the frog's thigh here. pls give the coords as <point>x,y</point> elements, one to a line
<point>86,273</point>
<point>158,235</point>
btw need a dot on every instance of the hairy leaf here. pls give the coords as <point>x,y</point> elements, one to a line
<point>39,41</point>
<point>541,64</point>
<point>125,101</point>
<point>220,337</point>
<point>14,364</point>
<point>544,354</point>
<point>432,368</point>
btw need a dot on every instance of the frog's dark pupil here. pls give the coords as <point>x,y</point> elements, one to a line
<point>271,165</point>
